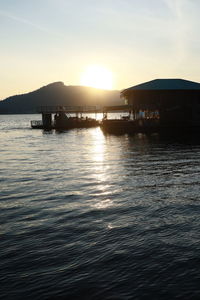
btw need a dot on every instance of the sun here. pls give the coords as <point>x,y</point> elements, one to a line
<point>98,77</point>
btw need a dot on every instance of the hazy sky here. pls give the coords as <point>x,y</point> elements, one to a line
<point>43,41</point>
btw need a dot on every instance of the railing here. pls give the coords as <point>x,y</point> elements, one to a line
<point>117,108</point>
<point>66,109</point>
<point>36,123</point>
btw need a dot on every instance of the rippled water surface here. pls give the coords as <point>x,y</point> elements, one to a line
<point>85,215</point>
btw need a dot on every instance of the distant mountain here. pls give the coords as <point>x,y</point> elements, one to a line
<point>59,94</point>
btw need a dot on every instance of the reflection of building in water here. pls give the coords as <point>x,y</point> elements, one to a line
<point>175,102</point>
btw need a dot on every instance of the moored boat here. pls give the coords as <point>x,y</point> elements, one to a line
<point>64,124</point>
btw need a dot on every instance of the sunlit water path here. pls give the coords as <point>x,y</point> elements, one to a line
<point>85,215</point>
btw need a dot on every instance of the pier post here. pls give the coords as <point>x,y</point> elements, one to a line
<point>47,120</point>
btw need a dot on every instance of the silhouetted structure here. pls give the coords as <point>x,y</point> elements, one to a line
<point>62,119</point>
<point>174,102</point>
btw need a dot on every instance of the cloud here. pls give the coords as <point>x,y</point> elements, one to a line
<point>27,22</point>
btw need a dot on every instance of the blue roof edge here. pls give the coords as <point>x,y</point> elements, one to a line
<point>166,84</point>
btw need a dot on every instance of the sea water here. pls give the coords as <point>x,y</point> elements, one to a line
<point>90,215</point>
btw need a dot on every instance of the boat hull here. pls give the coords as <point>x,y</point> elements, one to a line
<point>69,124</point>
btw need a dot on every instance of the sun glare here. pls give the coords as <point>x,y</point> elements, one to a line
<point>97,77</point>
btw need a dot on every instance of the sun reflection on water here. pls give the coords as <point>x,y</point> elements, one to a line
<point>104,204</point>
<point>98,146</point>
<point>100,172</point>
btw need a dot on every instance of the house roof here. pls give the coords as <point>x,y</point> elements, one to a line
<point>166,84</point>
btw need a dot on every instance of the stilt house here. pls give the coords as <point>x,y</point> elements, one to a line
<point>175,102</point>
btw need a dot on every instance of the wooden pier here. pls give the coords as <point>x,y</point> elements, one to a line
<point>60,118</point>
<point>63,116</point>
<point>64,120</point>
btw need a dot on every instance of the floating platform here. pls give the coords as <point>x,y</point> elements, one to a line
<point>130,126</point>
<point>69,123</point>
<point>147,126</point>
<point>59,118</point>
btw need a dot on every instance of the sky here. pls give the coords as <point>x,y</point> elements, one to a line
<point>44,41</point>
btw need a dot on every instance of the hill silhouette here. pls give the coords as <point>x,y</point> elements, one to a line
<point>59,94</point>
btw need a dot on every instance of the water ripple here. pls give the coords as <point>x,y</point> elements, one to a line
<point>85,215</point>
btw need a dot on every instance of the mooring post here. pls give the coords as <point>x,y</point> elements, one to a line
<point>47,120</point>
